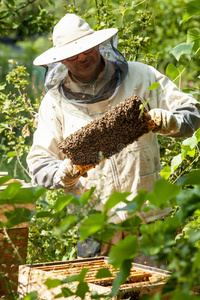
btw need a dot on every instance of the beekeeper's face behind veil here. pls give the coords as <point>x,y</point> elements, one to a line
<point>85,66</point>
<point>82,51</point>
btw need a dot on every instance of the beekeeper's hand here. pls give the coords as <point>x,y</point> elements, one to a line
<point>167,122</point>
<point>67,175</point>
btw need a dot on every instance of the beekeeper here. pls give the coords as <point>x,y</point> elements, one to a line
<point>85,77</point>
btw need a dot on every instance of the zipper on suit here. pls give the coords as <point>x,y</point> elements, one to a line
<point>115,175</point>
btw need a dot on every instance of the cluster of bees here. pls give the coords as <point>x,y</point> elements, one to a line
<point>109,134</point>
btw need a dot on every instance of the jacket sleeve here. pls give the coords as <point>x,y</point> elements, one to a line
<point>182,105</point>
<point>44,157</point>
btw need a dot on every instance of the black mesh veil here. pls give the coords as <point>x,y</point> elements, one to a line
<point>57,72</point>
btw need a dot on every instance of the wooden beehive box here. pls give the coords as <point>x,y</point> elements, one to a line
<point>142,280</point>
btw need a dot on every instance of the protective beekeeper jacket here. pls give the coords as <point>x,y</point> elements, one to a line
<point>138,165</point>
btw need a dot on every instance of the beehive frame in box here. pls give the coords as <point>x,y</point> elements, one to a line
<point>142,280</point>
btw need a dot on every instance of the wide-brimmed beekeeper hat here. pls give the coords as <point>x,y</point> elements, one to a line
<point>71,36</point>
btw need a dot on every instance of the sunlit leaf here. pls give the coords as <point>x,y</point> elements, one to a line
<point>12,154</point>
<point>176,161</point>
<point>172,71</point>
<point>190,142</point>
<point>182,49</point>
<point>2,86</point>
<point>166,172</point>
<point>31,296</point>
<point>197,134</point>
<point>154,86</point>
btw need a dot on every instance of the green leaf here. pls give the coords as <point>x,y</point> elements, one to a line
<point>17,216</point>
<point>183,295</point>
<point>189,201</point>
<point>166,172</point>
<point>137,203</point>
<point>126,249</point>
<point>192,178</point>
<point>131,224</point>
<point>31,296</point>
<point>121,277</point>
<point>4,179</point>
<point>197,134</point>
<point>65,292</point>
<point>91,225</point>
<point>38,191</point>
<point>114,199</point>
<point>172,71</point>
<point>65,224</point>
<point>80,277</point>
<point>86,196</point>
<point>154,86</point>
<point>2,86</point>
<point>62,201</point>
<point>182,49</point>
<point>24,196</point>
<point>193,35</point>
<point>10,191</point>
<point>52,283</point>
<point>45,214</point>
<point>12,154</point>
<point>82,289</point>
<point>191,153</point>
<point>103,273</point>
<point>163,191</point>
<point>176,161</point>
<point>192,9</point>
<point>193,235</point>
<point>189,143</point>
<point>12,2</point>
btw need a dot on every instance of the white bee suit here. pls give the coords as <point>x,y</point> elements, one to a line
<point>138,165</point>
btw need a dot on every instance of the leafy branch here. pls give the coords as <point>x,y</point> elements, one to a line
<point>14,11</point>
